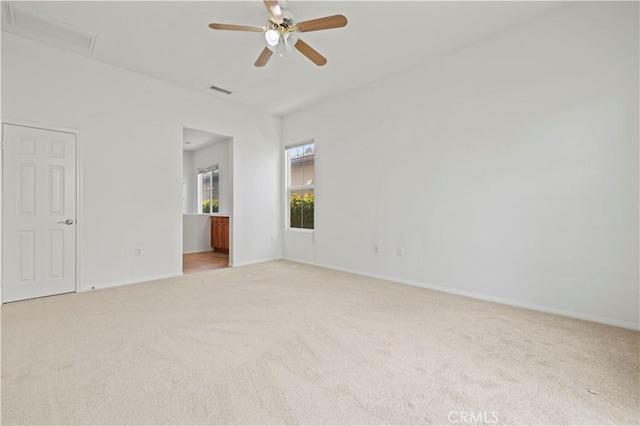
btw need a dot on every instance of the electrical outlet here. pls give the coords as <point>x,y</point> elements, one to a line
<point>375,248</point>
<point>138,251</point>
<point>400,251</point>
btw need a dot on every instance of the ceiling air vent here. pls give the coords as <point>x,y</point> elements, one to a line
<point>220,89</point>
<point>48,30</point>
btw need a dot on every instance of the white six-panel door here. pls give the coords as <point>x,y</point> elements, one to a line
<point>39,213</point>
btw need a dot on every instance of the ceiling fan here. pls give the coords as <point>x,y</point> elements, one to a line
<point>281,32</point>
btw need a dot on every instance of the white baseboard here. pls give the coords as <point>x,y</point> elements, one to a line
<point>485,297</point>
<point>253,262</point>
<point>90,287</point>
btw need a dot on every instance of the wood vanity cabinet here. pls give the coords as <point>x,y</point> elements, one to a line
<point>220,233</point>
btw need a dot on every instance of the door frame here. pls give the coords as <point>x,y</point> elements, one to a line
<point>79,212</point>
<point>232,216</point>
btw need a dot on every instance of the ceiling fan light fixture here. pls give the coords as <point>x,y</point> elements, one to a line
<point>290,40</point>
<point>272,36</point>
<point>281,48</point>
<point>285,44</point>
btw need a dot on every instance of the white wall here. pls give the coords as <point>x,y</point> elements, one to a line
<point>507,170</point>
<point>217,153</point>
<point>130,145</point>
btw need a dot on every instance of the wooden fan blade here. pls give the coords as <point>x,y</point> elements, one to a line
<point>263,58</point>
<point>310,53</point>
<point>232,27</point>
<point>275,13</point>
<point>335,21</point>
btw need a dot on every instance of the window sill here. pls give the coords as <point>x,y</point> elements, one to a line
<point>302,230</point>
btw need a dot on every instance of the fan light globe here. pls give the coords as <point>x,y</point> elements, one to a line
<point>272,37</point>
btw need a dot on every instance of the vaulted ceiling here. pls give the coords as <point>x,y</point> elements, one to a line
<point>171,41</point>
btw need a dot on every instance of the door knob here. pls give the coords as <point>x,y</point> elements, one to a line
<point>67,222</point>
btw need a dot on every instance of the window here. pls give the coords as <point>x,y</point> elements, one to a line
<point>300,185</point>
<point>208,189</point>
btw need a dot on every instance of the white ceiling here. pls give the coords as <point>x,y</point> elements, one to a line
<point>171,41</point>
<point>194,139</point>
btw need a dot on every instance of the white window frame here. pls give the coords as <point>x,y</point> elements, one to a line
<point>203,171</point>
<point>289,188</point>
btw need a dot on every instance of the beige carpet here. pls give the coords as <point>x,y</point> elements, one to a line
<point>281,342</point>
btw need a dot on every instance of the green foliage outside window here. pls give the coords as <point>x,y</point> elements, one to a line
<point>206,206</point>
<point>301,215</point>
